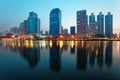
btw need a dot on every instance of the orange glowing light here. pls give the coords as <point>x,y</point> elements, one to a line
<point>61,36</point>
<point>51,36</point>
<point>72,36</point>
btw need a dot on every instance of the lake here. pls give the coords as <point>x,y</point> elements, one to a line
<point>59,60</point>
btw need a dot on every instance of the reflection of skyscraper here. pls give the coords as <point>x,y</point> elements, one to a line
<point>32,55</point>
<point>81,56</point>
<point>81,23</point>
<point>72,50</point>
<point>100,55</point>
<point>55,22</point>
<point>108,54</point>
<point>92,57</point>
<point>55,59</point>
<point>72,47</point>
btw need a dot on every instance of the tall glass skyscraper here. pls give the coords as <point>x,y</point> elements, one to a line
<point>33,23</point>
<point>91,18</point>
<point>81,23</point>
<point>109,24</point>
<point>100,21</point>
<point>93,28</point>
<point>55,22</point>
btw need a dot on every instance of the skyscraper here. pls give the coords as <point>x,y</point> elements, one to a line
<point>91,18</point>
<point>55,22</point>
<point>33,23</point>
<point>81,23</point>
<point>109,24</point>
<point>93,27</point>
<point>100,21</point>
<point>72,30</point>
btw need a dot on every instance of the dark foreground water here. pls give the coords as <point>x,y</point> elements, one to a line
<point>69,60</point>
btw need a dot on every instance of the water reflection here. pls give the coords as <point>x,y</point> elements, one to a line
<point>81,55</point>
<point>108,54</point>
<point>55,57</point>
<point>30,53</point>
<point>86,52</point>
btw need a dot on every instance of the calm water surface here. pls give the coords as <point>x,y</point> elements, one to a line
<point>59,60</point>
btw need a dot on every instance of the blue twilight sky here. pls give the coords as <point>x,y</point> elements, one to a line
<point>13,12</point>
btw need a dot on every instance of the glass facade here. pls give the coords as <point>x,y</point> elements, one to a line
<point>55,22</point>
<point>81,23</point>
<point>72,30</point>
<point>109,24</point>
<point>100,21</point>
<point>33,23</point>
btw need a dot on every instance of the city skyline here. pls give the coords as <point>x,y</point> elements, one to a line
<point>43,8</point>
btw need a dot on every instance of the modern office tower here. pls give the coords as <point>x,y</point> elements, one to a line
<point>55,22</point>
<point>109,24</point>
<point>93,28</point>
<point>81,23</point>
<point>100,21</point>
<point>72,30</point>
<point>33,23</point>
<point>91,18</point>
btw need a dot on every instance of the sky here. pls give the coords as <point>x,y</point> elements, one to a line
<point>13,12</point>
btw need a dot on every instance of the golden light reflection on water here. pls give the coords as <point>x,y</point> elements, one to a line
<point>118,46</point>
<point>61,44</point>
<point>26,43</point>
<point>72,44</point>
<point>50,44</point>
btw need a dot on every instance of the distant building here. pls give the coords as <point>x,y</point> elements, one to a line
<point>109,24</point>
<point>61,29</point>
<point>65,31</point>
<point>46,33</point>
<point>100,22</point>
<point>14,30</point>
<point>0,34</point>
<point>81,23</point>
<point>33,23</point>
<point>72,30</point>
<point>55,22</point>
<point>23,27</point>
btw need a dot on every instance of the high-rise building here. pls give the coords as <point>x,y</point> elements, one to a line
<point>55,22</point>
<point>81,23</point>
<point>33,23</point>
<point>72,30</point>
<point>93,28</point>
<point>91,18</point>
<point>100,22</point>
<point>109,24</point>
